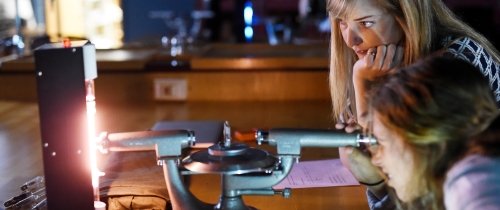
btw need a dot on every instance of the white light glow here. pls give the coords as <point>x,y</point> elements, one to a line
<point>93,140</point>
<point>248,14</point>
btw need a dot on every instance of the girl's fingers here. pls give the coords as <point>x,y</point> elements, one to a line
<point>380,57</point>
<point>370,56</point>
<point>398,57</point>
<point>384,57</point>
<point>339,126</point>
<point>351,127</point>
<point>389,57</point>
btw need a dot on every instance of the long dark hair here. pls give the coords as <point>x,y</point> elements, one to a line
<point>443,108</point>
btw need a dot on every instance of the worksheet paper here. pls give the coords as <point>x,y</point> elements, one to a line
<point>318,173</point>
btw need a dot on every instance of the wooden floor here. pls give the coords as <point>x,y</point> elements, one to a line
<point>20,146</point>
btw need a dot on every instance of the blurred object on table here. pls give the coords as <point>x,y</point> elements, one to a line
<point>32,196</point>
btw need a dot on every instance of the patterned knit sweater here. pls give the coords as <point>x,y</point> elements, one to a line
<point>469,50</point>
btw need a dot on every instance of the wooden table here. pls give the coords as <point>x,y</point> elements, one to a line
<point>20,150</point>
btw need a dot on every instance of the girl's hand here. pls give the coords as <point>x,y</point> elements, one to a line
<point>350,126</point>
<point>360,165</point>
<point>378,61</point>
<point>358,160</point>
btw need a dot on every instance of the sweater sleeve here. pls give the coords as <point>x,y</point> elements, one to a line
<point>385,203</point>
<point>471,51</point>
<point>473,183</point>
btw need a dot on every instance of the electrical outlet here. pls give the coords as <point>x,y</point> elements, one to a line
<point>170,89</point>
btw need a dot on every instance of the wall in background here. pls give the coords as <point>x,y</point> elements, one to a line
<point>147,21</point>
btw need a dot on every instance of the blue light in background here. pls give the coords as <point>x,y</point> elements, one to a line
<point>248,17</point>
<point>248,13</point>
<point>248,33</point>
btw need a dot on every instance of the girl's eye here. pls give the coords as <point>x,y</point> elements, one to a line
<point>367,24</point>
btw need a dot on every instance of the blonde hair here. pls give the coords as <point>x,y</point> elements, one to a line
<point>436,105</point>
<point>423,34</point>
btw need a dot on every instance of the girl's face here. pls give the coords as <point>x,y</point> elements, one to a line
<point>366,25</point>
<point>395,159</point>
